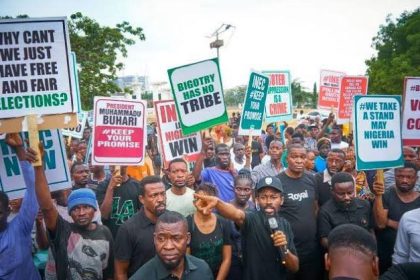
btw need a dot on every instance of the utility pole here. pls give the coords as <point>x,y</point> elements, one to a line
<point>216,44</point>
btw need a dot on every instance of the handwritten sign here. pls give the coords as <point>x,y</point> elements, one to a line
<point>350,86</point>
<point>377,129</point>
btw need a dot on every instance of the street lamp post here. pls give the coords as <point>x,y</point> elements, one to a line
<point>216,44</point>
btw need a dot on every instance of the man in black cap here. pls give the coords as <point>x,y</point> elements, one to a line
<point>269,251</point>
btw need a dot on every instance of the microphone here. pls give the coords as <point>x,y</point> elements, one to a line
<point>274,226</point>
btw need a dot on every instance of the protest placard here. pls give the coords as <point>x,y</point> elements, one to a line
<point>77,104</point>
<point>253,110</point>
<point>329,89</point>
<point>278,105</point>
<point>173,143</point>
<point>349,87</point>
<point>35,67</point>
<point>77,132</point>
<point>55,160</point>
<point>198,94</point>
<point>377,132</point>
<point>119,132</point>
<point>411,115</point>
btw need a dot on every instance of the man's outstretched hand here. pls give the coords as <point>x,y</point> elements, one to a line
<point>205,203</point>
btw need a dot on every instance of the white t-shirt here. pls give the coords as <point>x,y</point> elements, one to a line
<point>341,145</point>
<point>182,204</point>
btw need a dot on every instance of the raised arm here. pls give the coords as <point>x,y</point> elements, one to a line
<point>43,194</point>
<point>206,143</point>
<point>379,212</point>
<point>206,203</point>
<point>106,201</point>
<point>29,208</point>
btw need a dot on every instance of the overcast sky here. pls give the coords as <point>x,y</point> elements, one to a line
<point>302,36</point>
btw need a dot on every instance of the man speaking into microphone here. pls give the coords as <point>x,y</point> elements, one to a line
<point>268,248</point>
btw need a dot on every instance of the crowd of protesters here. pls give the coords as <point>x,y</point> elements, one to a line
<point>287,204</point>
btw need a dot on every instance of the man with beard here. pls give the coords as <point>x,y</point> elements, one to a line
<point>179,197</point>
<point>268,253</point>
<point>220,175</point>
<point>171,238</point>
<point>272,167</point>
<point>389,207</point>
<point>134,241</point>
<point>409,156</point>
<point>300,209</point>
<point>335,163</point>
<point>81,250</point>
<point>118,199</point>
<point>343,208</point>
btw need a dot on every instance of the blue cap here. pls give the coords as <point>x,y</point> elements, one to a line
<point>82,196</point>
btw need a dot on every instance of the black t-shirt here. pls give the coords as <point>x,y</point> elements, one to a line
<point>386,237</point>
<point>134,241</point>
<point>323,189</point>
<point>403,271</point>
<point>262,259</point>
<point>79,253</point>
<point>256,149</point>
<point>125,203</point>
<point>209,247</point>
<point>298,209</point>
<point>332,215</point>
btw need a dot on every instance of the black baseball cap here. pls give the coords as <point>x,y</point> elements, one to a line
<point>270,181</point>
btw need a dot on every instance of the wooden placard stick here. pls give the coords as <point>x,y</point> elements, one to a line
<point>69,140</point>
<point>117,169</point>
<point>33,132</point>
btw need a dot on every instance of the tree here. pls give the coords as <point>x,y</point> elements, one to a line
<point>398,53</point>
<point>97,48</point>
<point>235,95</point>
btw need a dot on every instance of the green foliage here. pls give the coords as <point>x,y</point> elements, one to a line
<point>97,48</point>
<point>234,96</point>
<point>398,54</point>
<point>301,96</point>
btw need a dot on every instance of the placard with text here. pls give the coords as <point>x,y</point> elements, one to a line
<point>35,67</point>
<point>349,87</point>
<point>329,89</point>
<point>253,110</point>
<point>119,132</point>
<point>377,132</point>
<point>174,144</point>
<point>278,106</point>
<point>77,132</point>
<point>411,113</point>
<point>55,162</point>
<point>198,94</point>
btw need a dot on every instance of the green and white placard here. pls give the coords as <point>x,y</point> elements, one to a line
<point>253,111</point>
<point>198,94</point>
<point>377,131</point>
